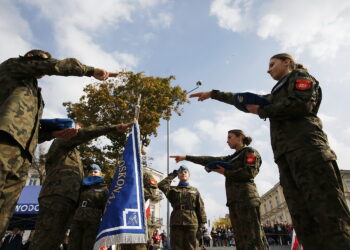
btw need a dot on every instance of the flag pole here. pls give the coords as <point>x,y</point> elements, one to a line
<point>137,108</point>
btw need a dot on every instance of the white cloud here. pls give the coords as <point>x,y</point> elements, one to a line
<point>319,27</point>
<point>322,32</point>
<point>91,16</point>
<point>185,140</point>
<point>232,14</point>
<point>162,20</point>
<point>150,3</point>
<point>15,32</point>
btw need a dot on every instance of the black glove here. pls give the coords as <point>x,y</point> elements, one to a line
<point>175,172</point>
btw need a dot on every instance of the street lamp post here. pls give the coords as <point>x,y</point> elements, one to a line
<point>198,84</point>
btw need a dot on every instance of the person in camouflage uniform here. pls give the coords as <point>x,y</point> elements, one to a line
<point>188,213</point>
<point>21,107</point>
<point>309,173</point>
<point>242,197</point>
<point>87,217</point>
<point>149,193</point>
<point>59,195</point>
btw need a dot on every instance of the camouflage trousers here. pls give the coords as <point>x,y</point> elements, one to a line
<point>55,214</point>
<point>247,229</point>
<point>82,235</point>
<point>183,237</point>
<point>314,194</point>
<point>14,166</point>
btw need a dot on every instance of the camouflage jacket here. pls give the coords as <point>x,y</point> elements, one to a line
<point>92,202</point>
<point>188,206</point>
<point>64,169</point>
<point>293,115</point>
<point>240,186</point>
<point>21,103</point>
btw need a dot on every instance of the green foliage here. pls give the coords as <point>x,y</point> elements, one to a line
<point>114,102</point>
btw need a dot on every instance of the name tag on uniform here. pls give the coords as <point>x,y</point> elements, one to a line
<point>98,190</point>
<point>192,192</point>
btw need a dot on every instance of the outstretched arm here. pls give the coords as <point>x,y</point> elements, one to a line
<point>201,95</point>
<point>29,67</point>
<point>87,134</point>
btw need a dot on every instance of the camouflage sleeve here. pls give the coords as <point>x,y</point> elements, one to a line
<point>246,167</point>
<point>89,133</point>
<point>301,100</point>
<point>149,187</point>
<point>165,184</point>
<point>24,67</point>
<point>204,160</point>
<point>45,135</point>
<point>226,97</point>
<point>200,211</point>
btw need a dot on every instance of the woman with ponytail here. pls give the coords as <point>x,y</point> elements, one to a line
<point>309,173</point>
<point>243,199</point>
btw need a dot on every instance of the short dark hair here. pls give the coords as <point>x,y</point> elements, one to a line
<point>238,132</point>
<point>38,53</point>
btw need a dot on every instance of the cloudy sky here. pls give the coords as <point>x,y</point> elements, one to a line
<point>224,43</point>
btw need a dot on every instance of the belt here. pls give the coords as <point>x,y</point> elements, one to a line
<point>183,207</point>
<point>89,205</point>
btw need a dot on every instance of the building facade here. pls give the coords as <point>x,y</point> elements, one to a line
<point>273,208</point>
<point>155,205</point>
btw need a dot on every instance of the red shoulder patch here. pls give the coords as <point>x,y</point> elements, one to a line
<point>303,84</point>
<point>153,181</point>
<point>250,159</point>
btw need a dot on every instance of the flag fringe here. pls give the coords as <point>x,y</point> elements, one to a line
<point>120,239</point>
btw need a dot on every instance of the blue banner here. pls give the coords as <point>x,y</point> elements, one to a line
<point>124,221</point>
<point>28,201</point>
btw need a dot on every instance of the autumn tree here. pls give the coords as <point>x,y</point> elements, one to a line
<point>114,102</point>
<point>38,164</point>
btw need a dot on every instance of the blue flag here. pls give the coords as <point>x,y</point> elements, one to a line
<point>124,221</point>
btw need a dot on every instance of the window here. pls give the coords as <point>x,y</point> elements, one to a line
<point>348,185</point>
<point>277,200</point>
<point>265,208</point>
<point>32,182</point>
<point>270,204</point>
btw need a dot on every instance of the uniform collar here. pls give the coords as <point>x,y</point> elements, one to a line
<point>183,184</point>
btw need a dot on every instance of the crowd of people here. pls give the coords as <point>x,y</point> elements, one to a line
<point>278,233</point>
<point>309,173</point>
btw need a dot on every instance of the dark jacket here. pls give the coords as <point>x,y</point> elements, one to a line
<point>294,124</point>
<point>12,242</point>
<point>188,206</point>
<point>21,103</point>
<point>64,169</point>
<point>240,186</point>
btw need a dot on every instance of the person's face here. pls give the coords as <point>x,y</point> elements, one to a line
<point>95,173</point>
<point>278,68</point>
<point>184,175</point>
<point>233,141</point>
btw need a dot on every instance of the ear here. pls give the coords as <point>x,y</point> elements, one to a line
<point>286,62</point>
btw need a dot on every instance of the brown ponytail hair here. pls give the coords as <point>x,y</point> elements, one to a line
<point>293,64</point>
<point>237,132</point>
